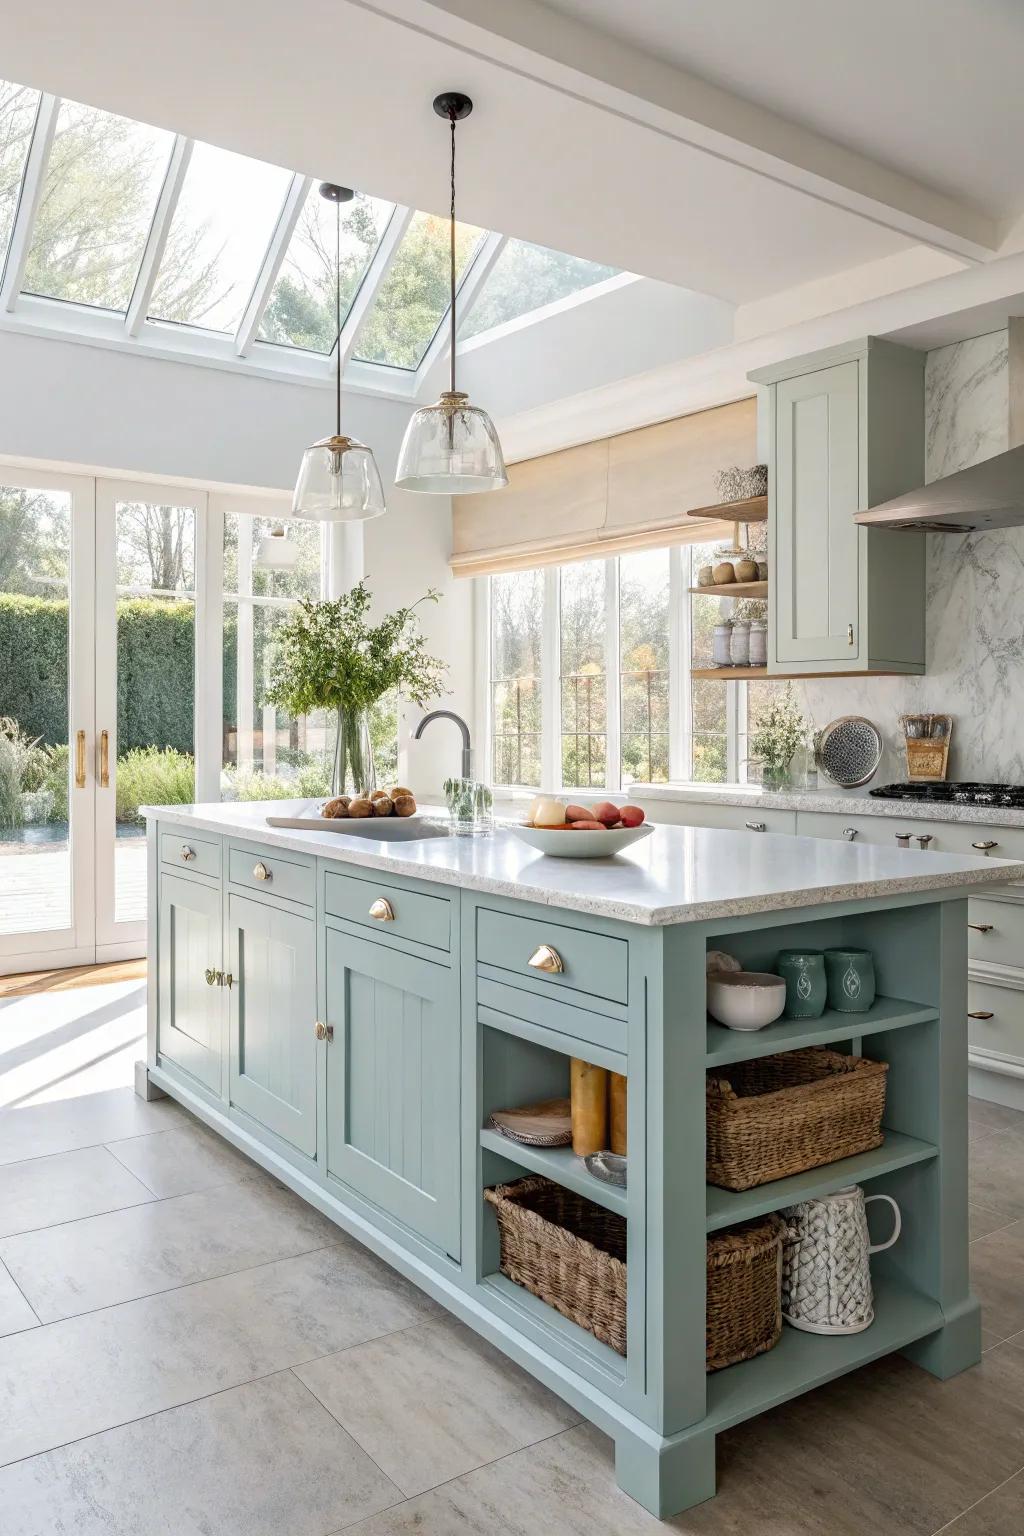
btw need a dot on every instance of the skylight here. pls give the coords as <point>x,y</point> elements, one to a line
<point>18,108</point>
<point>413,298</point>
<point>525,277</point>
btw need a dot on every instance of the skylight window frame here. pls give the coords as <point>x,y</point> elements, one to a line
<point>32,181</point>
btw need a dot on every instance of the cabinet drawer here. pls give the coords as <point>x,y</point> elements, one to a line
<point>940,836</point>
<point>1003,1032</point>
<point>995,931</point>
<point>390,909</point>
<point>190,853</point>
<point>738,818</point>
<point>590,962</point>
<point>262,870</point>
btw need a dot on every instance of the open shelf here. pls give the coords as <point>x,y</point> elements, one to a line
<point>725,1207</point>
<point>732,674</point>
<point>733,589</point>
<point>559,1164</point>
<point>886,1013</point>
<point>753,510</point>
<point>801,1361</point>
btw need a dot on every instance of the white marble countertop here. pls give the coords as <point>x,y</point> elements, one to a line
<point>678,875</point>
<point>830,799</point>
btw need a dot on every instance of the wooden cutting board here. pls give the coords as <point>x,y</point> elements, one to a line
<point>536,1125</point>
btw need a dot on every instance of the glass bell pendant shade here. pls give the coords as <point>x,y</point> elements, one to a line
<point>451,448</point>
<point>338,482</point>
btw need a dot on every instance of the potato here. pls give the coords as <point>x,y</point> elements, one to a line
<point>400,789</point>
<point>405,805</point>
<point>360,808</point>
<point>587,826</point>
<point>383,805</point>
<point>578,813</point>
<point>607,813</point>
<point>632,816</point>
<point>336,807</point>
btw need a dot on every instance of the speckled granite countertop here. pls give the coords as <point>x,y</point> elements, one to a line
<point>826,800</point>
<point>679,875</point>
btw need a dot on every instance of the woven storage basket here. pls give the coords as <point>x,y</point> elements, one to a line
<point>781,1114</point>
<point>572,1254</point>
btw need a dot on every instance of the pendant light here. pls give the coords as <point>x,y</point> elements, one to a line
<point>451,447</point>
<point>338,479</point>
<point>275,551</point>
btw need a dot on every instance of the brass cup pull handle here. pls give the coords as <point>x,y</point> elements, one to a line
<point>212,977</point>
<point>544,958</point>
<point>187,853</point>
<point>382,910</point>
<point>756,826</point>
<point>986,846</point>
<point>260,871</point>
<point>849,833</point>
<point>79,759</point>
<point>104,759</point>
<point>981,927</point>
<point>981,1013</point>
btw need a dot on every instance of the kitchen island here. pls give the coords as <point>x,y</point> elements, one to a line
<point>349,1012</point>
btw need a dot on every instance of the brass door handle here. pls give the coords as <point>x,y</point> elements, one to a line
<point>986,846</point>
<point>981,1014</point>
<point>324,1031</point>
<point>849,634</point>
<point>212,977</point>
<point>382,910</point>
<point>80,760</point>
<point>544,958</point>
<point>104,759</point>
<point>756,826</point>
<point>981,927</point>
<point>187,853</point>
<point>260,871</point>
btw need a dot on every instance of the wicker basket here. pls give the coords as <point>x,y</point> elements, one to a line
<point>572,1254</point>
<point>779,1115</point>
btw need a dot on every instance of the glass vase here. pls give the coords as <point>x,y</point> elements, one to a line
<point>353,772</point>
<point>776,775</point>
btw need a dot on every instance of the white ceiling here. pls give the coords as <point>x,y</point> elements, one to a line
<point>931,88</point>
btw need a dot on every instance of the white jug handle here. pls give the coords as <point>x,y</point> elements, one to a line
<point>897,1228</point>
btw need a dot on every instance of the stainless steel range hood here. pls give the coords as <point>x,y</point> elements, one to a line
<point>986,495</point>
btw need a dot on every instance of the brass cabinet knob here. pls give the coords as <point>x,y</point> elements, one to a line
<point>260,871</point>
<point>981,927</point>
<point>986,846</point>
<point>212,977</point>
<point>324,1031</point>
<point>924,839</point>
<point>544,958</point>
<point>756,826</point>
<point>849,833</point>
<point>382,910</point>
<point>981,1014</point>
<point>187,853</point>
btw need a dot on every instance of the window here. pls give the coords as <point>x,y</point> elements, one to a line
<point>525,277</point>
<point>413,298</point>
<point>102,181</point>
<point>589,682</point>
<point>18,108</point>
<point>301,311</point>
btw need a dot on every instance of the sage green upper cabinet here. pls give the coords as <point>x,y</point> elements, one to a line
<point>846,431</point>
<point>273,1054</point>
<point>393,1083</point>
<point>191,1008</point>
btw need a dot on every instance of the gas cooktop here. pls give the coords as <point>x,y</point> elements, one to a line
<point>955,794</point>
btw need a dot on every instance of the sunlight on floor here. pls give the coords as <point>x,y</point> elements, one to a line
<point>61,1045</point>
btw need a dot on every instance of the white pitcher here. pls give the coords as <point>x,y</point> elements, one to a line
<point>826,1273</point>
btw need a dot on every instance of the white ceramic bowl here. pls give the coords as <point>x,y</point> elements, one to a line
<point>745,999</point>
<point>563,843</point>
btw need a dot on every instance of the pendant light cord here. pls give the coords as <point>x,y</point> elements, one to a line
<point>337,309</point>
<point>451,119</point>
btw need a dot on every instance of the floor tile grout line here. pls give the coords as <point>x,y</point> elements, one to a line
<point>90,1146</point>
<point>403,1497</point>
<point>984,1496</point>
<point>21,1293</point>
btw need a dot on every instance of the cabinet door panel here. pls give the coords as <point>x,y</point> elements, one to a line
<point>191,1012</point>
<point>272,955</point>
<point>817,491</point>
<point>393,1084</point>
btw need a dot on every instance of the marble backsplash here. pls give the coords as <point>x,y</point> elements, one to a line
<point>975,594</point>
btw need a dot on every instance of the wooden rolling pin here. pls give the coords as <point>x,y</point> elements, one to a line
<point>617,1112</point>
<point>589,1107</point>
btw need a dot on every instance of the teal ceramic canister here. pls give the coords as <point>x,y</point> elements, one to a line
<point>806,987</point>
<point>851,979</point>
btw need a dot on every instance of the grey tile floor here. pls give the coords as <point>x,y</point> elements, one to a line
<point>186,1349</point>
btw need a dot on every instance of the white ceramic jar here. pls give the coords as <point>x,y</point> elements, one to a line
<point>721,644</point>
<point>739,645</point>
<point>758,643</point>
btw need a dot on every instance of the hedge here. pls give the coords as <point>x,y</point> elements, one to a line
<point>155,669</point>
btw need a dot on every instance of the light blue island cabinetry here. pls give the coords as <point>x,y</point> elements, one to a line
<point>349,1013</point>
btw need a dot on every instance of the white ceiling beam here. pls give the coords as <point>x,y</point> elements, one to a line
<point>276,252</point>
<point>29,200</point>
<point>469,290</point>
<point>156,244</point>
<point>376,272</point>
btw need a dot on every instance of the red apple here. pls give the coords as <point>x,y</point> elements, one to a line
<point>587,826</point>
<point>578,813</point>
<point>607,813</point>
<point>631,816</point>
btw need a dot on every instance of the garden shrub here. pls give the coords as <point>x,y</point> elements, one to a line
<point>149,776</point>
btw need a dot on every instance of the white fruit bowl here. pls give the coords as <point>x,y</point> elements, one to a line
<point>564,843</point>
<point>745,1000</point>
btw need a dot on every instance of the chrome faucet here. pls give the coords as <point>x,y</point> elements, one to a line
<point>448,714</point>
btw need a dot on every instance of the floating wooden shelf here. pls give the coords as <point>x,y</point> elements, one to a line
<point>733,674</point>
<point>734,589</point>
<point>739,674</point>
<point>753,510</point>
<point>559,1164</point>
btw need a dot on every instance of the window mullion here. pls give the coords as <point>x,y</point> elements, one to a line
<point>156,241</point>
<point>679,651</point>
<point>732,743</point>
<point>28,202</point>
<point>551,702</point>
<point>613,685</point>
<point>277,249</point>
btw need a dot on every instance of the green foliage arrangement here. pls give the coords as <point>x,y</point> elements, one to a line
<point>328,655</point>
<point>149,776</point>
<point>781,730</point>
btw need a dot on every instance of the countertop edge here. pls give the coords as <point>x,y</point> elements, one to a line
<point>828,803</point>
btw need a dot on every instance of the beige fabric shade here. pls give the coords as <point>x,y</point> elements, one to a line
<point>605,498</point>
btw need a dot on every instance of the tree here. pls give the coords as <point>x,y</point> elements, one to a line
<point>34,541</point>
<point>413,298</point>
<point>526,277</point>
<point>155,546</point>
<point>302,309</point>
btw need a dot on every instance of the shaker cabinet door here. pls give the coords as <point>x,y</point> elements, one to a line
<point>817,491</point>
<point>393,1084</point>
<point>273,1054</point>
<point>190,1025</point>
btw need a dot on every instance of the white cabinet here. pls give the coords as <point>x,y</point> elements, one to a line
<point>846,431</point>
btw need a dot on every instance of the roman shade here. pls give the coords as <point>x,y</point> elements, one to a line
<point>604,498</point>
